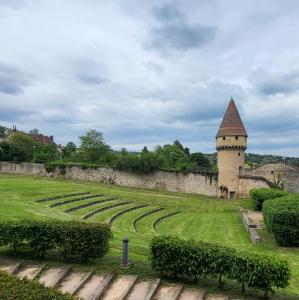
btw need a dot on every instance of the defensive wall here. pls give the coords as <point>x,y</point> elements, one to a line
<point>185,182</point>
<point>197,183</point>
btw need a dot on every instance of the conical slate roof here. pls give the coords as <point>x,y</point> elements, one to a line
<point>231,123</point>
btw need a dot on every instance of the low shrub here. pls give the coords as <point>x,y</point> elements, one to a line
<point>281,217</point>
<point>190,259</point>
<point>258,196</point>
<point>260,272</point>
<point>12,288</point>
<point>86,240</point>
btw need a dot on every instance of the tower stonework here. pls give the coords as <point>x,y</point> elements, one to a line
<point>231,143</point>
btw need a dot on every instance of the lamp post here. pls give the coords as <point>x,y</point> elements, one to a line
<point>125,258</point>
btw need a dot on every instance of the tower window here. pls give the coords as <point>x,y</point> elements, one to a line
<point>223,138</point>
<point>239,153</point>
<point>236,137</point>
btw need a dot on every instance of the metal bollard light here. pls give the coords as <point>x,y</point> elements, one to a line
<point>125,262</point>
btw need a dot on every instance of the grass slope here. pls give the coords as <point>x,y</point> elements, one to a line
<point>201,218</point>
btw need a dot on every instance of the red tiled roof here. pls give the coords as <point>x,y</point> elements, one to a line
<point>231,123</point>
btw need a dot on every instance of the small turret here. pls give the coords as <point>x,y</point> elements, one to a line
<point>231,143</point>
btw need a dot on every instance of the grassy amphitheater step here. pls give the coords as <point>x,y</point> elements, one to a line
<point>89,285</point>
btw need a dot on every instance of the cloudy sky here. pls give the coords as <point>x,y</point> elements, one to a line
<point>150,72</point>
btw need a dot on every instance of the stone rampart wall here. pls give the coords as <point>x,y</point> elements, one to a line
<point>197,183</point>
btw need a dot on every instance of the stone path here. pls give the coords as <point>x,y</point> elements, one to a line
<point>91,286</point>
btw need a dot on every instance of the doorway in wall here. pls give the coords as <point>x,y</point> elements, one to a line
<point>231,195</point>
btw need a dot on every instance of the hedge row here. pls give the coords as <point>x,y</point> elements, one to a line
<point>73,238</point>
<point>75,200</point>
<point>12,288</point>
<point>258,196</point>
<point>281,217</point>
<point>193,260</point>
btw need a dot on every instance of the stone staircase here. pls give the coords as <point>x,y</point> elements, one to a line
<point>92,286</point>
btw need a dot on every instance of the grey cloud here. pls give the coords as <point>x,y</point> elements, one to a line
<point>182,36</point>
<point>89,72</point>
<point>271,83</point>
<point>176,32</point>
<point>12,81</point>
<point>92,79</point>
<point>168,13</point>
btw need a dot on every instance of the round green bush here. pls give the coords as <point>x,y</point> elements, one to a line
<point>258,196</point>
<point>281,217</point>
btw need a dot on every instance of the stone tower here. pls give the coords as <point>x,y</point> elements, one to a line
<point>231,143</point>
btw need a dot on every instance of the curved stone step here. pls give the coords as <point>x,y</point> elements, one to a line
<point>61,197</point>
<point>122,212</point>
<point>101,209</point>
<point>136,220</point>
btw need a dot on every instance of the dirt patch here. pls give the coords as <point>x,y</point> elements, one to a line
<point>28,271</point>
<point>166,292</point>
<point>139,290</point>
<point>118,287</point>
<point>49,277</point>
<point>190,294</point>
<point>90,286</point>
<point>71,281</point>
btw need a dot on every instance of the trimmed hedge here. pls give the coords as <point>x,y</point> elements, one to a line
<point>281,217</point>
<point>12,288</point>
<point>258,196</point>
<point>192,260</point>
<point>73,238</point>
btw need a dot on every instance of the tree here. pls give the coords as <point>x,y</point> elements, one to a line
<point>199,160</point>
<point>69,150</point>
<point>173,156</point>
<point>34,131</point>
<point>4,131</point>
<point>93,148</point>
<point>44,153</point>
<point>22,146</point>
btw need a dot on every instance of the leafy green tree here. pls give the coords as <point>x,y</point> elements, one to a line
<point>44,153</point>
<point>22,146</point>
<point>4,131</point>
<point>199,160</point>
<point>173,156</point>
<point>69,150</point>
<point>93,148</point>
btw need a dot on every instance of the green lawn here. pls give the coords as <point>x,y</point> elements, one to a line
<point>201,217</point>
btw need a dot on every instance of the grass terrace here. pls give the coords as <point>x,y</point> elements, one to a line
<point>138,214</point>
